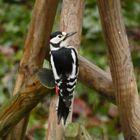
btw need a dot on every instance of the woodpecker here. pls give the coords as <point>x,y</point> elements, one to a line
<point>64,63</point>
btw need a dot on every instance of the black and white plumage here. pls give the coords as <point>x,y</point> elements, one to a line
<point>64,64</point>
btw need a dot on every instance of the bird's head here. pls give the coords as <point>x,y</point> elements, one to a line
<point>59,39</point>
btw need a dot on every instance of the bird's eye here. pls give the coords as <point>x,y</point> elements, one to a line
<point>59,36</point>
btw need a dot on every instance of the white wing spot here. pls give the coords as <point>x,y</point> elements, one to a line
<point>54,69</point>
<point>74,65</point>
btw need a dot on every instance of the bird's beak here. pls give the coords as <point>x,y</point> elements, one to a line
<point>70,34</point>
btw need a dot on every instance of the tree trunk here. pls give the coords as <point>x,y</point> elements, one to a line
<point>55,131</point>
<point>121,68</point>
<point>72,20</point>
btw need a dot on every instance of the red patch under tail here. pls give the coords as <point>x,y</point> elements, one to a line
<point>57,90</point>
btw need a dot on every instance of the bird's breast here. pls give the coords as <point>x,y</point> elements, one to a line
<point>63,60</point>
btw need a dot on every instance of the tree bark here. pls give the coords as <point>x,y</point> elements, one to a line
<point>34,52</point>
<point>20,105</point>
<point>95,78</point>
<point>72,20</point>
<point>55,131</point>
<point>121,68</point>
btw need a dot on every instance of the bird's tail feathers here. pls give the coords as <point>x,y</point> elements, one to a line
<point>62,111</point>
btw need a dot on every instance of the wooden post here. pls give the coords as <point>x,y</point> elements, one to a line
<point>121,68</point>
<point>72,20</point>
<point>55,131</point>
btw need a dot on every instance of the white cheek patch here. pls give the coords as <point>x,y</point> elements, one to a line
<point>55,40</point>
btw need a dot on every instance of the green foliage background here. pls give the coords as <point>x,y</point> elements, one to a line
<point>98,115</point>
